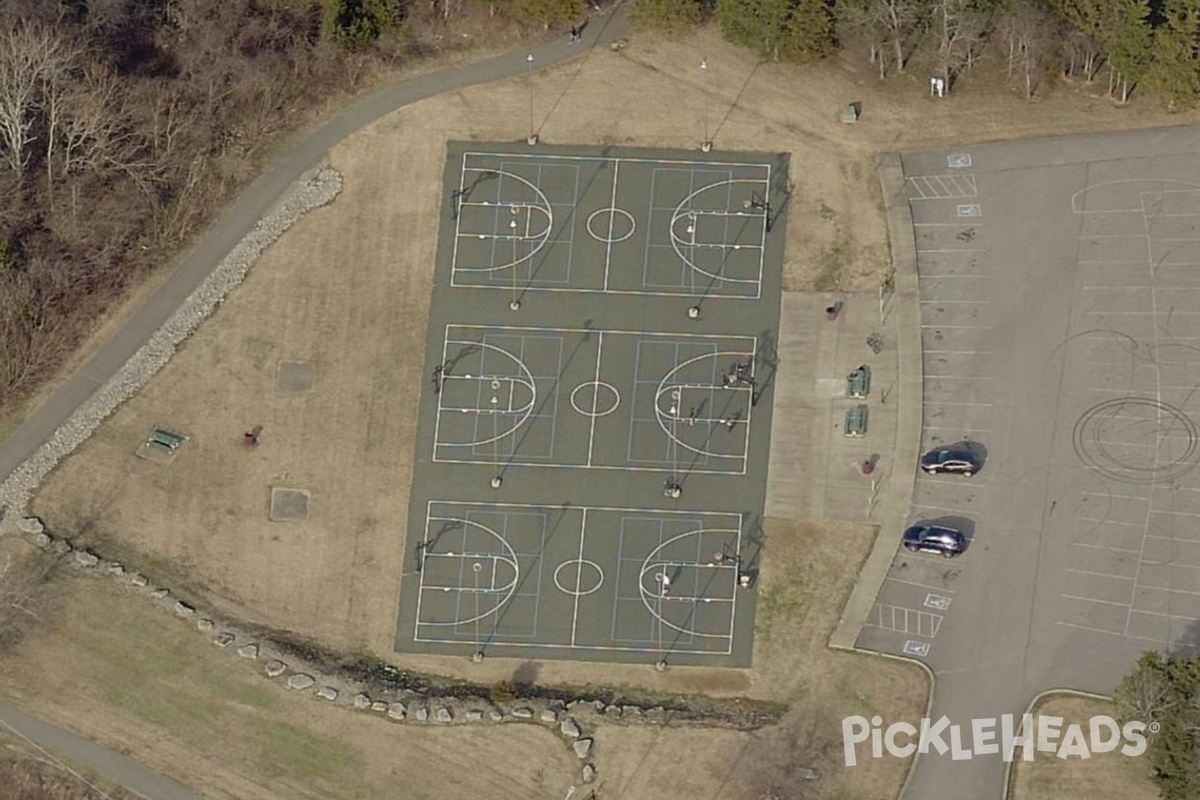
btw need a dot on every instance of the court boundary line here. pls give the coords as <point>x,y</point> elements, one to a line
<point>703,516</point>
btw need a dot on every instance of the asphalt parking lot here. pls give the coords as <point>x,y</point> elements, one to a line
<point>1060,312</point>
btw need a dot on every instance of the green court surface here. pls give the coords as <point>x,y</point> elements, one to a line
<point>596,407</point>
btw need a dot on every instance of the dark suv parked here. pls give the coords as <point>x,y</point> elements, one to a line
<point>927,538</point>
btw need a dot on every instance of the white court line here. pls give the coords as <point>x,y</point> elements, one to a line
<point>1103,547</point>
<point>1138,525</point>
<point>1102,630</point>
<point>927,376</point>
<point>1094,600</point>
<point>955,302</point>
<point>490,157</point>
<point>959,352</point>
<point>611,221</point>
<point>578,577</point>
<point>963,484</point>
<point>951,250</point>
<point>1099,574</point>
<point>595,399</point>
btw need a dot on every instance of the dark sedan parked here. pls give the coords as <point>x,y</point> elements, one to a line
<point>954,460</point>
<point>926,538</point>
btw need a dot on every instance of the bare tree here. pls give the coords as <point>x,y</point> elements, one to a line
<point>960,29</point>
<point>1030,33</point>
<point>32,58</point>
<point>25,592</point>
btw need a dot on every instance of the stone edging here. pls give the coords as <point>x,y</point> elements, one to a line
<point>317,188</point>
<point>302,678</point>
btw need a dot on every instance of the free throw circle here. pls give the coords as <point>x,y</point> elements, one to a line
<point>578,577</point>
<point>611,225</point>
<point>595,398</point>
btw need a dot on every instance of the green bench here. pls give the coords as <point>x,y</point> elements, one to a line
<point>858,383</point>
<point>856,421</point>
<point>166,439</point>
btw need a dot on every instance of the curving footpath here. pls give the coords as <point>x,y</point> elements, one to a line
<point>226,232</point>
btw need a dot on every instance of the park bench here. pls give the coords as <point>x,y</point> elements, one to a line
<point>858,383</point>
<point>166,439</point>
<point>856,421</point>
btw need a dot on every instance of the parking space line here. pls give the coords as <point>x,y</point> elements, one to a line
<point>1098,630</point>
<point>956,302</point>
<point>955,403</point>
<point>943,482</point>
<point>1174,513</point>
<point>939,508</point>
<point>1139,525</point>
<point>947,224</point>
<point>1124,313</point>
<point>955,250</point>
<point>957,428</point>
<point>1100,574</point>
<point>972,327</point>
<point>1094,600</point>
<point>960,352</point>
<point>921,585</point>
<point>1149,588</point>
<point>948,275</point>
<point>1118,496</point>
<point>1104,547</point>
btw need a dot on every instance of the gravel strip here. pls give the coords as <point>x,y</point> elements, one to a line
<point>17,490</point>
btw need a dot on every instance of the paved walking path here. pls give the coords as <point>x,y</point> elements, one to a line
<point>256,200</point>
<point>87,755</point>
<point>215,244</point>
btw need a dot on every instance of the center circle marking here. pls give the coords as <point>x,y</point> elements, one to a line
<point>595,398</point>
<point>611,225</point>
<point>580,573</point>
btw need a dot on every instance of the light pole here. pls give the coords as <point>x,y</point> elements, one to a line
<point>533,137</point>
<point>705,145</point>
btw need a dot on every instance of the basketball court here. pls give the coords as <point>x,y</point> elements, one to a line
<point>595,414</point>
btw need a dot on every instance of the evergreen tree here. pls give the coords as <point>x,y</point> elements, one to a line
<point>1129,45</point>
<point>1174,72</point>
<point>667,16</point>
<point>795,30</point>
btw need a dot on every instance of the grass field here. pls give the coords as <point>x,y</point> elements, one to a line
<point>364,264</point>
<point>1103,775</point>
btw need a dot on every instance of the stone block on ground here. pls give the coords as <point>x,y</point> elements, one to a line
<point>612,711</point>
<point>183,609</point>
<point>495,715</point>
<point>804,773</point>
<point>549,716</point>
<point>421,714</point>
<point>43,540</point>
<point>444,715</point>
<point>248,651</point>
<point>523,713</point>
<point>137,580</point>
<point>160,594</point>
<point>62,547</point>
<point>379,706</point>
<point>204,624</point>
<point>115,569</point>
<point>223,639</point>
<point>589,773</point>
<point>275,668</point>
<point>396,711</point>
<point>30,525</point>
<point>582,747</point>
<point>300,681</point>
<point>630,711</point>
<point>86,559</point>
<point>362,701</point>
<point>474,715</point>
<point>327,693</point>
<point>569,728</point>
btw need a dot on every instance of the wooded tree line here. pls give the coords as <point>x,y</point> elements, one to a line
<point>124,123</point>
<point>1154,45</point>
<point>1166,690</point>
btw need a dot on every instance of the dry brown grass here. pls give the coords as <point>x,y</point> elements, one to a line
<point>1048,777</point>
<point>123,673</point>
<point>364,264</point>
